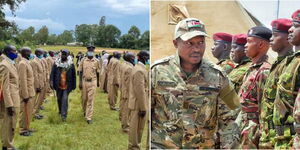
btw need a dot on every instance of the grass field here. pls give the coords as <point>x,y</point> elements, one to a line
<point>53,134</point>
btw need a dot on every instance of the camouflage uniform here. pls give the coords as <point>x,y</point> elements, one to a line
<point>186,110</point>
<point>236,76</point>
<point>250,94</point>
<point>267,104</point>
<point>288,84</point>
<point>296,114</point>
<point>226,64</point>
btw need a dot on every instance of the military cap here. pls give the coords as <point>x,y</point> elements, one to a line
<point>281,25</point>
<point>240,39</point>
<point>296,16</point>
<point>260,32</point>
<point>189,28</point>
<point>221,36</point>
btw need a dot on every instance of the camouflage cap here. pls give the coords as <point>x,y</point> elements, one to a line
<point>189,28</point>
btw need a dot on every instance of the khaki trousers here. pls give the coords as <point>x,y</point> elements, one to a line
<point>8,127</point>
<point>124,113</point>
<point>26,110</point>
<point>87,96</point>
<point>136,125</point>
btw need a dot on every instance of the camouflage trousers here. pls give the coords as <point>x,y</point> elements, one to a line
<point>249,132</point>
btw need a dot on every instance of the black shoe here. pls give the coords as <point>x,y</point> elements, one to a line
<point>25,133</point>
<point>89,121</point>
<point>42,108</point>
<point>38,117</point>
<point>4,148</point>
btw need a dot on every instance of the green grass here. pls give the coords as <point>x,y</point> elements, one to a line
<point>104,133</point>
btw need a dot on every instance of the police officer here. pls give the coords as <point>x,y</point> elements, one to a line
<point>251,90</point>
<point>126,70</point>
<point>186,91</point>
<point>279,44</point>
<point>113,80</point>
<point>39,82</point>
<point>11,98</point>
<point>89,78</point>
<point>221,50</point>
<point>138,100</point>
<point>27,91</point>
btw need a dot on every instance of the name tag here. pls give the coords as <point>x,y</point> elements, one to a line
<point>204,88</point>
<point>166,83</point>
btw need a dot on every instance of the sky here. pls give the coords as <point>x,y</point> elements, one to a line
<point>60,15</point>
<point>266,10</point>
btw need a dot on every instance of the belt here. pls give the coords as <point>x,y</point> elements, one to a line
<point>88,80</point>
<point>280,129</point>
<point>297,128</point>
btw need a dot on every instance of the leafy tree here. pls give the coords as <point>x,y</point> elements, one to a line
<point>134,31</point>
<point>42,35</point>
<point>108,36</point>
<point>65,37</point>
<point>144,41</point>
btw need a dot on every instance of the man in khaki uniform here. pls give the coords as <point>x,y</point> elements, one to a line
<point>113,80</point>
<point>125,70</point>
<point>27,91</point>
<point>46,79</point>
<point>11,99</point>
<point>50,62</point>
<point>138,100</point>
<point>89,78</point>
<point>39,83</point>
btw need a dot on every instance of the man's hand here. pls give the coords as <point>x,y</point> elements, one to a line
<point>25,100</point>
<point>38,90</point>
<point>142,114</point>
<point>10,111</point>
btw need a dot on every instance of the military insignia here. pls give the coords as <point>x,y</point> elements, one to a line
<point>193,24</point>
<point>166,83</point>
<point>250,31</point>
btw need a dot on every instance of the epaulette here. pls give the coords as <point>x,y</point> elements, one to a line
<point>297,54</point>
<point>162,61</point>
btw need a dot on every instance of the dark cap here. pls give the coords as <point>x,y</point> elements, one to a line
<point>240,39</point>
<point>281,25</point>
<point>221,36</point>
<point>296,16</point>
<point>91,46</point>
<point>65,51</point>
<point>260,32</point>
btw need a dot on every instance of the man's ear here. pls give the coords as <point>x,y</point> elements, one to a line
<point>175,42</point>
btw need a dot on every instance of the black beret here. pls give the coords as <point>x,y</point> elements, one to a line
<point>260,32</point>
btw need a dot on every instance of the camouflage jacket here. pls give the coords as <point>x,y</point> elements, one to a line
<point>226,64</point>
<point>236,76</point>
<point>267,102</point>
<point>288,85</point>
<point>186,111</point>
<point>251,89</point>
<point>296,115</point>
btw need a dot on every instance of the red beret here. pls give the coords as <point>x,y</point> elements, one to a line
<point>296,15</point>
<point>222,37</point>
<point>281,25</point>
<point>240,39</point>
